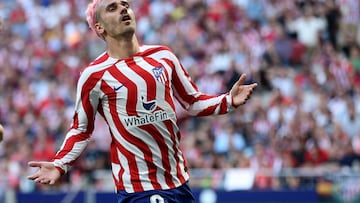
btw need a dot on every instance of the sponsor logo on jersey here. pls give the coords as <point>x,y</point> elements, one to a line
<point>155,117</point>
<point>149,105</point>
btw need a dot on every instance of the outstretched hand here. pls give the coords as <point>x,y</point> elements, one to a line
<point>241,93</point>
<point>47,173</point>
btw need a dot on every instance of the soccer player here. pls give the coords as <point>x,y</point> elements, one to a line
<point>133,87</point>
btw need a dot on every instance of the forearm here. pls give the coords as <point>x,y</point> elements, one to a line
<point>205,105</point>
<point>73,145</point>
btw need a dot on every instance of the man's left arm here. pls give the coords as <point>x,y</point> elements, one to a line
<point>201,104</point>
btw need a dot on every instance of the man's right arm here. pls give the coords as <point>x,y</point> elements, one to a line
<point>87,100</point>
<point>77,137</point>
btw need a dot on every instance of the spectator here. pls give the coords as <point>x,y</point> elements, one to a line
<point>314,155</point>
<point>308,28</point>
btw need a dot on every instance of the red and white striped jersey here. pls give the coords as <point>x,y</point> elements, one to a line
<point>136,98</point>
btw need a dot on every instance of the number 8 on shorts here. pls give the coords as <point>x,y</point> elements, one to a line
<point>156,199</point>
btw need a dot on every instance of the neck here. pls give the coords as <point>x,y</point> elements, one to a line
<point>123,48</point>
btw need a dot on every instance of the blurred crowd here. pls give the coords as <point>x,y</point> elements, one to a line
<point>304,55</point>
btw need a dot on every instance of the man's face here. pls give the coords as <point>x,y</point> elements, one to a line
<point>115,18</point>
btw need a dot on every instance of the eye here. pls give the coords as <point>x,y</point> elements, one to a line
<point>125,4</point>
<point>112,7</point>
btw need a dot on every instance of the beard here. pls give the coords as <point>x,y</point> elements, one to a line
<point>120,30</point>
<point>127,33</point>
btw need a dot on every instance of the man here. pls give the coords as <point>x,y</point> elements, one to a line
<point>133,87</point>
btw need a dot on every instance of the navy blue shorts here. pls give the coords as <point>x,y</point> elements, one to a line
<point>181,194</point>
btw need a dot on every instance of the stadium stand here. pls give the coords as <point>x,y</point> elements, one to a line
<point>304,116</point>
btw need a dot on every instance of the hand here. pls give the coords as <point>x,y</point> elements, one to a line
<point>47,173</point>
<point>241,93</point>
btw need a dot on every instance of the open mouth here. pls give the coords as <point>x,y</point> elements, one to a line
<point>125,18</point>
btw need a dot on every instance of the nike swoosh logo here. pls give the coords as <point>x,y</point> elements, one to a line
<point>118,88</point>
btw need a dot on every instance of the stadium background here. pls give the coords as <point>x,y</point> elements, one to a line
<point>298,136</point>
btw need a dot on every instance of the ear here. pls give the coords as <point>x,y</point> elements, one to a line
<point>99,28</point>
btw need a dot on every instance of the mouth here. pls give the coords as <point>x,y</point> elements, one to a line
<point>125,18</point>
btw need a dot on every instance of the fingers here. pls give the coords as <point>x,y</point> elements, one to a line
<point>43,181</point>
<point>35,164</point>
<point>32,177</point>
<point>238,84</point>
<point>52,182</point>
<point>253,85</point>
<point>36,176</point>
<point>250,87</point>
<point>241,80</point>
<point>40,179</point>
<point>44,174</point>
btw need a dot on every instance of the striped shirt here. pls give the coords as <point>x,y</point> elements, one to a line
<point>136,98</point>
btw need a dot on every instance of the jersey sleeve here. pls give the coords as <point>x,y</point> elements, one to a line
<point>77,137</point>
<point>191,99</point>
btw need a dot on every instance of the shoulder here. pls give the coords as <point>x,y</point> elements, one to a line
<point>153,49</point>
<point>96,68</point>
<point>158,52</point>
<point>102,62</point>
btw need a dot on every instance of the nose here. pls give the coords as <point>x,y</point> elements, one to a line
<point>123,10</point>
